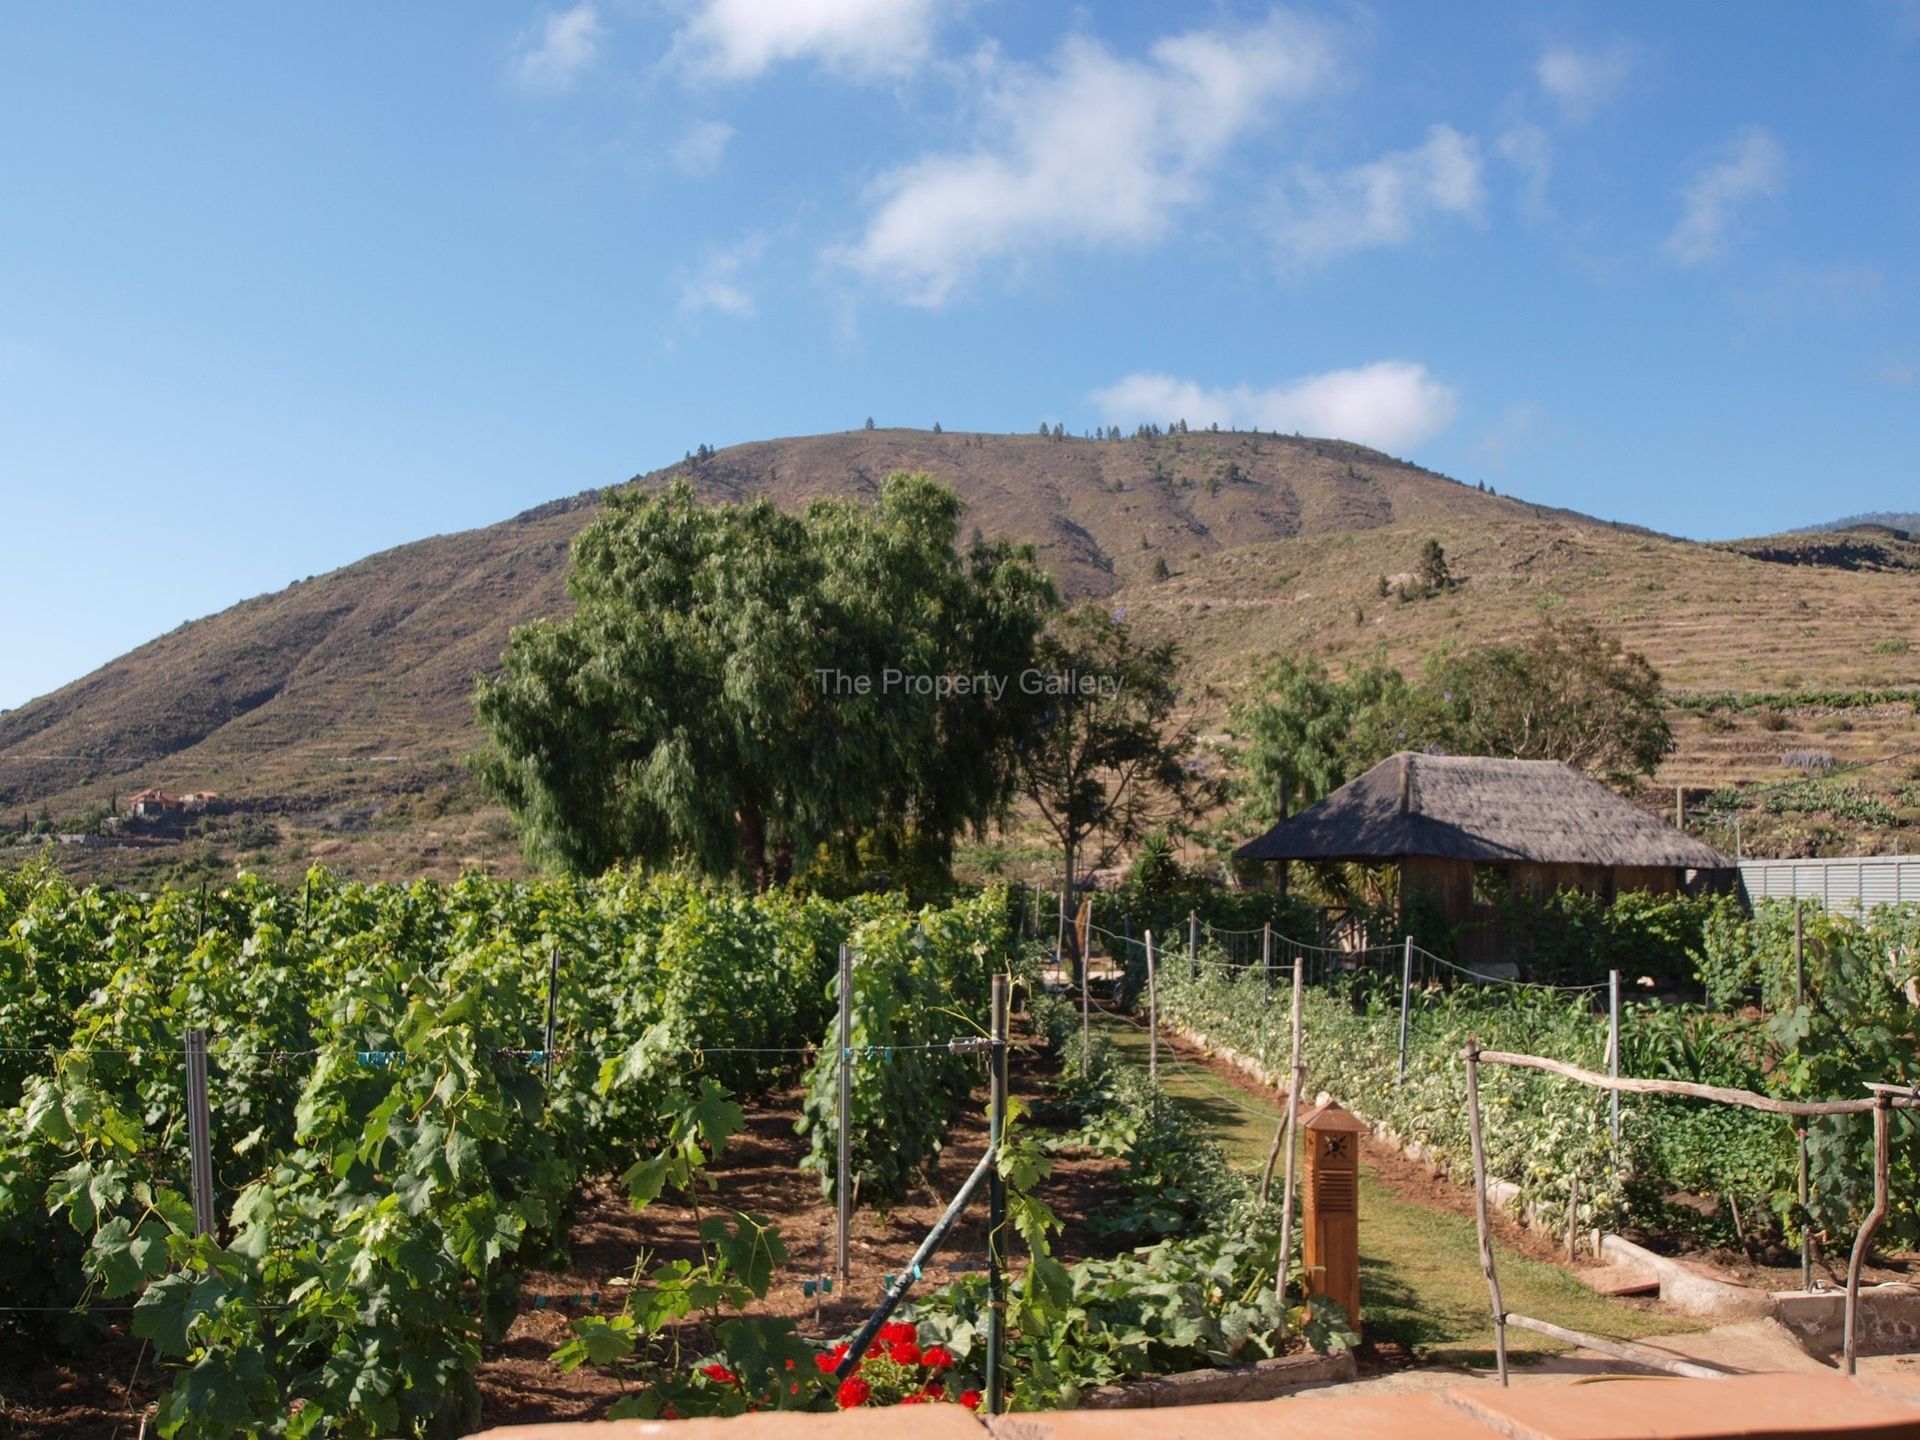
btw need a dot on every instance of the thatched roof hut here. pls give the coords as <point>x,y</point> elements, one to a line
<point>1486,811</point>
<point>1468,830</point>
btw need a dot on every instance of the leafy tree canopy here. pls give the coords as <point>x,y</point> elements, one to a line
<point>1104,762</point>
<point>739,685</point>
<point>1566,693</point>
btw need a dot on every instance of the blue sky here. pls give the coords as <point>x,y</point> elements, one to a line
<point>282,286</point>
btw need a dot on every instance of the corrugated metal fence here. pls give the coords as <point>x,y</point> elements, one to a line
<point>1849,883</point>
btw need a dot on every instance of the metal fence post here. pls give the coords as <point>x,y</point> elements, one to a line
<point>1266,959</point>
<point>996,1198</point>
<point>1800,1130</point>
<point>199,1132</point>
<point>843,1161</point>
<point>1083,945</point>
<point>1153,1017</point>
<point>1193,945</point>
<point>1406,1000</point>
<point>1613,1050</point>
<point>553,1002</point>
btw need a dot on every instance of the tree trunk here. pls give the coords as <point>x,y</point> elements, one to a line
<point>753,842</point>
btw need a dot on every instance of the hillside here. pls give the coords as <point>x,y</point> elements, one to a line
<point>1861,546</point>
<point>335,715</point>
<point>1905,520</point>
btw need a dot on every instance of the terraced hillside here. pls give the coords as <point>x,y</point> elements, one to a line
<point>335,715</point>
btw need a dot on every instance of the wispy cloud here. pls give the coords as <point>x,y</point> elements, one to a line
<point>1751,167</point>
<point>1516,430</point>
<point>1529,149</point>
<point>717,283</point>
<point>1388,201</point>
<point>565,43</point>
<point>739,39</point>
<point>1391,404</point>
<point>700,149</point>
<point>1581,81</point>
<point>1095,150</point>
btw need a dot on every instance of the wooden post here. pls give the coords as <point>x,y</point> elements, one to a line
<point>1193,945</point>
<point>1613,1051</point>
<point>1330,1209</point>
<point>553,1001</point>
<point>996,1197</point>
<point>1406,1001</point>
<point>1297,1077</point>
<point>1573,1215</point>
<point>199,1133</point>
<point>1082,924</point>
<point>1153,1018</point>
<point>843,1155</point>
<point>1863,1242</point>
<point>1679,807</point>
<point>1481,1223</point>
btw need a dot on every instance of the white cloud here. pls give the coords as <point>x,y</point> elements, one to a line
<point>699,150</point>
<point>566,44</point>
<point>1581,81</point>
<point>1529,149</point>
<point>1383,202</point>
<point>1390,404</point>
<point>740,39</point>
<point>716,285</point>
<point>1095,151</point>
<point>1752,167</point>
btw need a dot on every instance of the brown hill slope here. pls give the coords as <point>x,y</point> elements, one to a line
<point>356,684</point>
<point>340,707</point>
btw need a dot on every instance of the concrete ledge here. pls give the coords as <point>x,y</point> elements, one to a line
<point>1263,1380</point>
<point>1687,1289</point>
<point>1747,1406</point>
<point>1349,1417</point>
<point>927,1422</point>
<point>1889,1319</point>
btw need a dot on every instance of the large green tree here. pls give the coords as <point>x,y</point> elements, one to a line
<point>739,685</point>
<point>1299,734</point>
<point>1567,692</point>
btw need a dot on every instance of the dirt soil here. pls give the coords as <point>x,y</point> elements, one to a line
<point>759,1173</point>
<point>97,1397</point>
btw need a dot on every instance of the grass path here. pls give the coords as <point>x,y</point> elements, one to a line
<point>1420,1280</point>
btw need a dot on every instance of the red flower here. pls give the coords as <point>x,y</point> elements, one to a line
<point>826,1362</point>
<point>970,1399</point>
<point>935,1390</point>
<point>935,1357</point>
<point>789,1362</point>
<point>904,1352</point>
<point>913,1399</point>
<point>669,1413</point>
<point>898,1331</point>
<point>720,1374</point>
<point>853,1391</point>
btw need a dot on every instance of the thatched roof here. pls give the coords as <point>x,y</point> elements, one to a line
<point>1489,811</point>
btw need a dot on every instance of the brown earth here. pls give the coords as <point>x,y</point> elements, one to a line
<point>759,1173</point>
